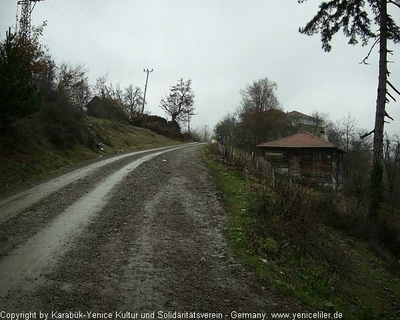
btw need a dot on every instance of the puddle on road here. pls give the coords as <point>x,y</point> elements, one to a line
<point>24,266</point>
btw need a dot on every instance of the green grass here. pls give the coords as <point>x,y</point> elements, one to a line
<point>28,154</point>
<point>361,286</point>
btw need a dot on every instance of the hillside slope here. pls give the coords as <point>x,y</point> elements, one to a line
<point>29,153</point>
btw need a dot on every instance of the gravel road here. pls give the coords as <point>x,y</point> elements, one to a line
<point>141,234</point>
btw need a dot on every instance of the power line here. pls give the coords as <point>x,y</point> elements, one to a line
<point>92,41</point>
<point>98,9</point>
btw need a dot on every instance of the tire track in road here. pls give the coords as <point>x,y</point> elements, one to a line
<point>158,242</point>
<point>24,268</point>
<point>16,230</point>
<point>13,205</point>
<point>91,276</point>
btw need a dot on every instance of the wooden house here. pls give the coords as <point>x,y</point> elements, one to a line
<point>307,156</point>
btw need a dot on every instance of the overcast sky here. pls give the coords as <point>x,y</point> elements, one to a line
<point>222,45</point>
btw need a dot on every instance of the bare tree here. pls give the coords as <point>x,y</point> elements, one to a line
<point>117,94</point>
<point>73,82</point>
<point>179,104</point>
<point>259,96</point>
<point>133,99</point>
<point>102,88</point>
<point>344,132</point>
<point>259,114</point>
<point>348,128</point>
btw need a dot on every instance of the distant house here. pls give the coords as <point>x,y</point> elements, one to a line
<point>307,156</point>
<point>298,118</point>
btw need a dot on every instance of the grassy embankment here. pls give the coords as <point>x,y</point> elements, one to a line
<point>28,153</point>
<point>338,273</point>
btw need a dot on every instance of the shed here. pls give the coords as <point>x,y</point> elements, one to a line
<point>307,156</point>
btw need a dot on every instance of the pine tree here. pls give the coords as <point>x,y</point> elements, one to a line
<point>18,96</point>
<point>356,21</point>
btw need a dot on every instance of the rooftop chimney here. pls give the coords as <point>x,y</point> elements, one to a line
<point>324,136</point>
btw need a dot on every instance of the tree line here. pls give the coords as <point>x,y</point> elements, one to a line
<point>31,81</point>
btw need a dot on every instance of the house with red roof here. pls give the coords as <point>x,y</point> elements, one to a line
<point>307,156</point>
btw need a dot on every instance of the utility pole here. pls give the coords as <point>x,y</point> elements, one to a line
<point>205,136</point>
<point>189,117</point>
<point>145,87</point>
<point>25,20</point>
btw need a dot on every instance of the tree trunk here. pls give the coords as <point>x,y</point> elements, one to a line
<point>377,170</point>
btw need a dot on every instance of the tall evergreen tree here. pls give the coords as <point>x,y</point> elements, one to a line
<point>18,96</point>
<point>356,21</point>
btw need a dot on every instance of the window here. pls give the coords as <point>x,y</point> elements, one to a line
<point>317,157</point>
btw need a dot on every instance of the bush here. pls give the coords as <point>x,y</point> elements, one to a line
<point>389,220</point>
<point>282,218</point>
<point>191,136</point>
<point>158,125</point>
<point>107,109</point>
<point>65,126</point>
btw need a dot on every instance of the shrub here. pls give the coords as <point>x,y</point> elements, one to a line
<point>65,126</point>
<point>389,219</point>
<point>106,108</point>
<point>158,125</point>
<point>283,218</point>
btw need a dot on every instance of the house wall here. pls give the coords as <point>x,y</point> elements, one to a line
<point>279,160</point>
<point>318,165</point>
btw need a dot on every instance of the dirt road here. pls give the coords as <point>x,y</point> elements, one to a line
<point>141,234</point>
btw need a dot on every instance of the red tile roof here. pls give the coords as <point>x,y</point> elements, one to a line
<point>298,140</point>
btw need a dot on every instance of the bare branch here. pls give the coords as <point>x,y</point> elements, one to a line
<point>369,52</point>
<point>387,115</point>
<point>388,93</point>
<point>395,3</point>
<point>397,91</point>
<point>367,134</point>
